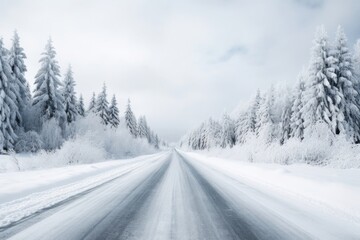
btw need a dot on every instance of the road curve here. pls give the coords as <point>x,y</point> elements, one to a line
<point>172,198</point>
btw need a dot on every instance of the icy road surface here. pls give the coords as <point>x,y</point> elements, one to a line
<point>167,196</point>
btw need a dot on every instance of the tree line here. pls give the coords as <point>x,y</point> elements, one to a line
<point>46,118</point>
<point>325,99</point>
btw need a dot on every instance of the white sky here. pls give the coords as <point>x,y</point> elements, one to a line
<point>179,62</point>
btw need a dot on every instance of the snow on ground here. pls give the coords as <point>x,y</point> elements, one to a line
<point>15,185</point>
<point>327,189</point>
<point>182,195</point>
<point>52,183</point>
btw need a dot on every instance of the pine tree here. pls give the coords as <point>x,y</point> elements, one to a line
<point>102,106</point>
<point>348,117</point>
<point>69,96</point>
<point>28,94</point>
<point>18,68</point>
<point>81,107</point>
<point>319,94</point>
<point>114,113</point>
<point>242,128</point>
<point>157,142</point>
<point>356,60</point>
<point>7,102</point>
<point>297,120</point>
<point>47,96</point>
<point>130,120</point>
<point>265,117</point>
<point>152,137</point>
<point>246,123</point>
<point>215,133</point>
<point>143,129</point>
<point>285,125</point>
<point>259,114</point>
<point>228,132</point>
<point>356,75</point>
<point>92,105</point>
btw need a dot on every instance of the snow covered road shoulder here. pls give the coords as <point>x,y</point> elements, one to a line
<point>61,186</point>
<point>323,201</point>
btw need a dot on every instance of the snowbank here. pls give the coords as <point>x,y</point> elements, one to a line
<point>336,152</point>
<point>15,185</point>
<point>327,189</point>
<point>91,142</point>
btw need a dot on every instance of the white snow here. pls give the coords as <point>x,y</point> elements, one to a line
<point>328,195</point>
<point>320,202</point>
<point>15,185</point>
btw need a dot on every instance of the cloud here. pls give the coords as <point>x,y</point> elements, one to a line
<point>232,52</point>
<point>180,62</point>
<point>311,3</point>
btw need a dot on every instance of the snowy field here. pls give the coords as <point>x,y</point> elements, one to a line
<point>181,195</point>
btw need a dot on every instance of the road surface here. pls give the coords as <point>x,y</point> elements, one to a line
<point>167,197</point>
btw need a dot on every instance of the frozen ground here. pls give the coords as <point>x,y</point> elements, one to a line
<point>179,195</point>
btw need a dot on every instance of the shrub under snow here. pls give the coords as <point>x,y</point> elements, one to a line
<point>319,148</point>
<point>94,142</point>
<point>28,142</point>
<point>116,142</point>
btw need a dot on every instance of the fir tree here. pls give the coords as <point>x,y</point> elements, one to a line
<point>285,125</point>
<point>297,120</point>
<point>92,105</point>
<point>7,102</point>
<point>114,113</point>
<point>130,120</point>
<point>242,126</point>
<point>228,132</point>
<point>247,122</point>
<point>356,60</point>
<point>157,142</point>
<point>19,83</point>
<point>28,94</point>
<point>47,96</point>
<point>356,75</point>
<point>319,105</point>
<point>265,117</point>
<point>102,106</point>
<point>143,129</point>
<point>69,96</point>
<point>214,133</point>
<point>348,117</point>
<point>81,107</point>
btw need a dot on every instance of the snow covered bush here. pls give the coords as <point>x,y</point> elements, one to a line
<point>51,135</point>
<point>28,142</point>
<point>116,143</point>
<point>76,151</point>
<point>318,149</point>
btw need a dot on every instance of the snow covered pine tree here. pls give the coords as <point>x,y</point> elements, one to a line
<point>23,95</point>
<point>7,102</point>
<point>102,106</point>
<point>92,105</point>
<point>69,95</point>
<point>81,106</point>
<point>114,113</point>
<point>319,94</point>
<point>47,95</point>
<point>130,120</point>
<point>348,117</point>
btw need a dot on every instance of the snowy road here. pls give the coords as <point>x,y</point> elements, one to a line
<point>168,196</point>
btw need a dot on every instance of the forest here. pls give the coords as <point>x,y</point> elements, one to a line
<point>55,116</point>
<point>313,121</point>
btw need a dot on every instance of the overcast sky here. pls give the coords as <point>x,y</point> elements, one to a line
<point>179,61</point>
